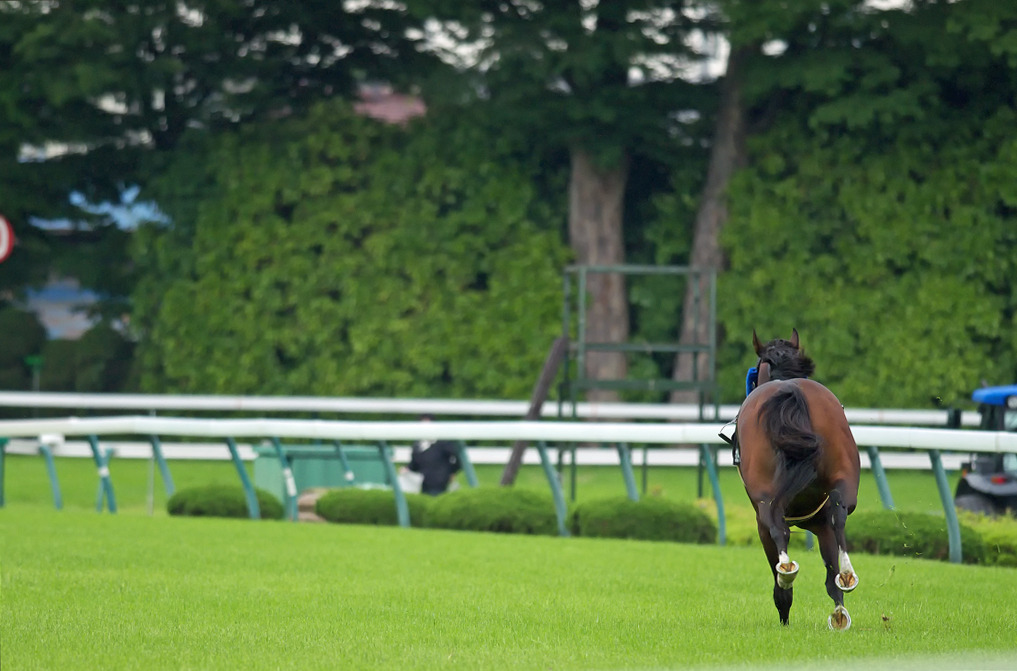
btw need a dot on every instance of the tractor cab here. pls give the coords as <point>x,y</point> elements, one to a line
<point>988,482</point>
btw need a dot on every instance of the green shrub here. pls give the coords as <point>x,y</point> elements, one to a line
<point>352,505</point>
<point>911,535</point>
<point>102,359</point>
<point>222,501</point>
<point>999,534</point>
<point>651,518</point>
<point>23,333</point>
<point>498,509</point>
<point>59,365</point>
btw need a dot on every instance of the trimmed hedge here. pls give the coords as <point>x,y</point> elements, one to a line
<point>527,511</point>
<point>921,535</point>
<point>498,509</point>
<point>999,534</point>
<point>352,505</point>
<point>651,518</point>
<point>222,501</point>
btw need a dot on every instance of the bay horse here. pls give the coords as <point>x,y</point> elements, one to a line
<point>799,464</point>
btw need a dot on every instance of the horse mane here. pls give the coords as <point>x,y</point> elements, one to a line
<point>786,361</point>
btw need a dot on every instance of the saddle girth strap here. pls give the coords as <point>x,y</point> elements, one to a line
<point>803,518</point>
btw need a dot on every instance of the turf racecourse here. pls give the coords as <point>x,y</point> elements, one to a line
<point>87,591</point>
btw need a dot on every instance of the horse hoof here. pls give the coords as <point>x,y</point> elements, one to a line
<point>786,574</point>
<point>846,582</point>
<point>839,619</point>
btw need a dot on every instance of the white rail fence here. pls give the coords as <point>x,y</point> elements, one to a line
<point>929,440</point>
<point>160,403</point>
<point>156,403</point>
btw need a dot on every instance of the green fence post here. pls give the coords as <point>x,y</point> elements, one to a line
<point>952,525</point>
<point>105,481</point>
<point>706,459</point>
<point>167,479</point>
<point>556,492</point>
<point>3,458</point>
<point>289,482</point>
<point>349,475</point>
<point>464,461</point>
<point>573,473</point>
<point>625,459</point>
<point>253,509</point>
<point>100,490</point>
<point>881,482</point>
<point>54,483</point>
<point>646,474</point>
<point>402,510</point>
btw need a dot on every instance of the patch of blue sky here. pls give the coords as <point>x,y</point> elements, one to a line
<point>127,214</point>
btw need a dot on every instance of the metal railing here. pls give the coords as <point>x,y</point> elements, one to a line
<point>541,434</point>
<point>671,412</point>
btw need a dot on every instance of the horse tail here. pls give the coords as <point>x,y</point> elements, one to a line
<point>786,422</point>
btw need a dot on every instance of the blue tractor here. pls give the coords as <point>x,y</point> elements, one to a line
<point>988,482</point>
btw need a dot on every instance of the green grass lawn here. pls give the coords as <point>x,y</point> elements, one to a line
<point>82,590</point>
<point>133,591</point>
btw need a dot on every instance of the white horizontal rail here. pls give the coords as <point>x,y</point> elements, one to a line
<point>492,454</point>
<point>410,406</point>
<point>553,432</point>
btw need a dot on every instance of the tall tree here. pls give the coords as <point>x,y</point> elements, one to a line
<point>878,212</point>
<point>727,155</point>
<point>91,90</point>
<point>605,81</point>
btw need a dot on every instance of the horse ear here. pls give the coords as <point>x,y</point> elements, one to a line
<point>794,338</point>
<point>756,345</point>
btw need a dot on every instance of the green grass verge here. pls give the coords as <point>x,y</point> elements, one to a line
<point>26,481</point>
<point>84,590</point>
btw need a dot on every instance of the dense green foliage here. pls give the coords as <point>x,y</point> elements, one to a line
<point>910,535</point>
<point>651,518</point>
<point>498,509</point>
<point>99,361</point>
<point>98,96</point>
<point>117,82</point>
<point>336,256</point>
<point>352,505</point>
<point>222,501</point>
<point>878,213</point>
<point>23,335</point>
<point>566,73</point>
<point>313,252</point>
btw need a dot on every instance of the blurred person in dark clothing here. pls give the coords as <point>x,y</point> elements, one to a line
<point>437,461</point>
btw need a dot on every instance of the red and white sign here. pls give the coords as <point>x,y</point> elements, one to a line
<point>6,239</point>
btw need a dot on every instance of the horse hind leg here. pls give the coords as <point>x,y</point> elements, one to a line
<point>846,579</point>
<point>839,620</point>
<point>784,570</point>
<point>840,575</point>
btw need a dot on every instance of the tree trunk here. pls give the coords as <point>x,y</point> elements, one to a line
<point>728,154</point>
<point>596,203</point>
